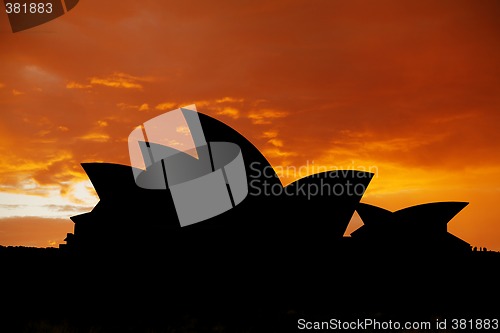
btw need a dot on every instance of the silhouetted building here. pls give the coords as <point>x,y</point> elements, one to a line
<point>275,256</point>
<point>422,227</point>
<point>308,215</point>
<point>312,211</point>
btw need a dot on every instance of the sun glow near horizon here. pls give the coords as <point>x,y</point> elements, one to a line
<point>50,202</point>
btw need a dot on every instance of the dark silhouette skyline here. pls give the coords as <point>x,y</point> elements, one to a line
<point>421,227</point>
<point>318,206</point>
<point>279,255</point>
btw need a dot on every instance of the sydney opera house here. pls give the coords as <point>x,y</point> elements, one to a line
<point>196,192</point>
<point>198,227</point>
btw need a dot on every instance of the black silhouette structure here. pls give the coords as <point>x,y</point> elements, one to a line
<point>419,228</point>
<point>279,256</point>
<point>126,212</point>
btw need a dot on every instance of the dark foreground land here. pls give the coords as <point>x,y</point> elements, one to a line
<point>218,290</point>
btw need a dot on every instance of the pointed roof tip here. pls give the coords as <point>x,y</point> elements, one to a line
<point>79,217</point>
<point>434,212</point>
<point>451,205</point>
<point>110,179</point>
<point>191,107</point>
<point>438,212</point>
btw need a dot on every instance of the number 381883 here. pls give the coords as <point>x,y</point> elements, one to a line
<point>28,8</point>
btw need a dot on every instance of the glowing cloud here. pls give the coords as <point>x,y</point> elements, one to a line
<point>263,117</point>
<point>270,134</point>
<point>76,85</point>
<point>115,80</point>
<point>95,137</point>
<point>229,112</point>
<point>229,100</point>
<point>165,106</point>
<point>144,107</point>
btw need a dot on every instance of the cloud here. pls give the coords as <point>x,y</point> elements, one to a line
<point>120,80</point>
<point>12,206</point>
<point>263,117</point>
<point>79,193</point>
<point>272,138</point>
<point>15,168</point>
<point>63,128</point>
<point>144,107</point>
<point>95,137</point>
<point>183,130</point>
<point>16,92</point>
<point>48,200</point>
<point>139,107</point>
<point>269,134</point>
<point>225,106</point>
<point>126,106</point>
<point>276,152</point>
<point>76,85</point>
<point>229,112</point>
<point>115,80</point>
<point>40,75</point>
<point>229,100</point>
<point>276,142</point>
<point>70,208</point>
<point>165,106</point>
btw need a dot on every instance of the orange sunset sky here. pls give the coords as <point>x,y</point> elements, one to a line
<point>410,89</point>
